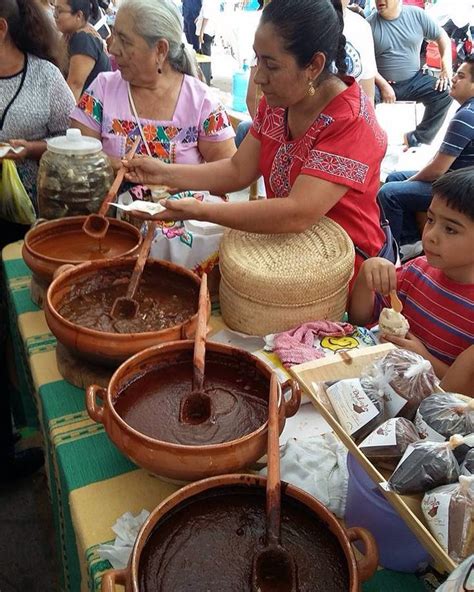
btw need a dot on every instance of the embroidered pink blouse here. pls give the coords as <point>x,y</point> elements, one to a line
<point>199,115</point>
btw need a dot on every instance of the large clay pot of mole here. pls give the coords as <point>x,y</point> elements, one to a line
<point>204,537</point>
<point>141,410</point>
<point>79,301</point>
<point>51,244</point>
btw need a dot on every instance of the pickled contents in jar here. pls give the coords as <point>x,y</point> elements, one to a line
<point>165,300</point>
<point>72,185</point>
<point>79,246</point>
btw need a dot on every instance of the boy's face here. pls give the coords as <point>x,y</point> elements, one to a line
<point>448,241</point>
<point>462,88</point>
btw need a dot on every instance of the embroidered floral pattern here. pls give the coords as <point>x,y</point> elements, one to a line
<point>339,166</point>
<point>217,121</point>
<point>369,116</point>
<point>91,106</point>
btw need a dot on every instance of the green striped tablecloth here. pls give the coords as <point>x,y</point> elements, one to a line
<point>91,482</point>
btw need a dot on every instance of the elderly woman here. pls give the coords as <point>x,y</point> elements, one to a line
<point>35,101</point>
<point>315,138</point>
<point>155,93</point>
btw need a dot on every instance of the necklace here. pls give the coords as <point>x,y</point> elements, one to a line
<point>18,90</point>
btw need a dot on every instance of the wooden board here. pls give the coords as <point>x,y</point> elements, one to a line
<point>350,365</point>
<point>79,372</point>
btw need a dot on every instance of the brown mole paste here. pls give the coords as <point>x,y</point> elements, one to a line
<point>239,401</point>
<point>166,299</point>
<point>208,543</point>
<point>78,246</point>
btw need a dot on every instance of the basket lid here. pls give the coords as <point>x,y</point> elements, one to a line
<point>288,268</point>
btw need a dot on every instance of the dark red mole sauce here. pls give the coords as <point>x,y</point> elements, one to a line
<point>166,299</point>
<point>239,401</point>
<point>207,544</point>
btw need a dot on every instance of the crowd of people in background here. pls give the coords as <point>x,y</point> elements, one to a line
<point>320,68</point>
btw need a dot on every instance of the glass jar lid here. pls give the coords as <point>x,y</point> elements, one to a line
<point>74,143</point>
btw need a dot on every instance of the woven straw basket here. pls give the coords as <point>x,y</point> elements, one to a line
<point>271,283</point>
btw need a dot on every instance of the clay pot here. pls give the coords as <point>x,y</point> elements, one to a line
<point>360,569</point>
<point>177,461</point>
<point>123,240</point>
<point>106,348</point>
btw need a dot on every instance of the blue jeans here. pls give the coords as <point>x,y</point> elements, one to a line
<point>401,200</point>
<point>421,88</point>
<point>242,131</point>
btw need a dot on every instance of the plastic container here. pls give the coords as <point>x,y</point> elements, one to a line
<point>74,176</point>
<point>399,549</point>
<point>240,82</point>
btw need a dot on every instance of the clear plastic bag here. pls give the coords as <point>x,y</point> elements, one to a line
<point>15,204</point>
<point>441,415</point>
<point>403,378</point>
<point>426,465</point>
<point>467,467</point>
<point>449,512</point>
<point>461,579</point>
<point>386,445</point>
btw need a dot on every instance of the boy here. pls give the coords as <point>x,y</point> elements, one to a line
<point>437,290</point>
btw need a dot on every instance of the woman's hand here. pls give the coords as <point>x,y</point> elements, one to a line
<point>410,342</point>
<point>176,209</point>
<point>24,153</point>
<point>145,170</point>
<point>379,275</point>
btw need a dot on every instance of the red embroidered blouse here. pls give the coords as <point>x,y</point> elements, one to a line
<point>344,145</point>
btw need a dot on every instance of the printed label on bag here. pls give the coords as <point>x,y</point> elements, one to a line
<point>435,507</point>
<point>384,435</point>
<point>425,431</point>
<point>353,407</point>
<point>394,403</point>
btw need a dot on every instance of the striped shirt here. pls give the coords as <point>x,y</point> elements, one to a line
<point>459,138</point>
<point>439,310</point>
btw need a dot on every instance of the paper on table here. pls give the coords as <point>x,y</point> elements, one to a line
<point>146,207</point>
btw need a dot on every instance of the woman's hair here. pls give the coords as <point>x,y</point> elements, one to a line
<point>30,28</point>
<point>308,27</point>
<point>89,8</point>
<point>160,19</point>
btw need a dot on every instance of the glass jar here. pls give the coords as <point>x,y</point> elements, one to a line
<point>74,176</point>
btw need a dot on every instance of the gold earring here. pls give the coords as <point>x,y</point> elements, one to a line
<point>311,89</point>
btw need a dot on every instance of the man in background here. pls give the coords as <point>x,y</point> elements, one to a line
<point>399,32</point>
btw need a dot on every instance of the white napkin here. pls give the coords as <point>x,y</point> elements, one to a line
<point>148,207</point>
<point>317,465</point>
<point>126,528</point>
<point>6,148</point>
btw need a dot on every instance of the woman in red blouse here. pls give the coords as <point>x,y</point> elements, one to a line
<point>315,138</point>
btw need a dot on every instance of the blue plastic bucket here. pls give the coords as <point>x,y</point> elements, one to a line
<point>366,506</point>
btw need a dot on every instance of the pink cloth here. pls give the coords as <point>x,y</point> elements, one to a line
<point>296,345</point>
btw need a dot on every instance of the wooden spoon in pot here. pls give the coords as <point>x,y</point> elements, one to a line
<point>273,569</point>
<point>196,408</point>
<point>96,225</point>
<point>126,307</point>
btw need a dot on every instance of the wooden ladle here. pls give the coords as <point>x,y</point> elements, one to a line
<point>96,225</point>
<point>273,568</point>
<point>395,302</point>
<point>196,407</point>
<point>126,307</point>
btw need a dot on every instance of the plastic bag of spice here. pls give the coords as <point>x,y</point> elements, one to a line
<point>441,415</point>
<point>467,467</point>
<point>386,445</point>
<point>461,579</point>
<point>355,410</point>
<point>449,512</point>
<point>403,378</point>
<point>426,465</point>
